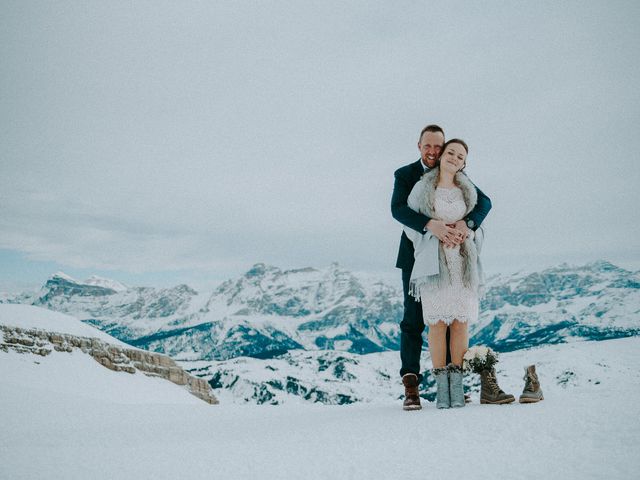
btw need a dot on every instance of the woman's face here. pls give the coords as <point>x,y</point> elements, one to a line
<point>453,158</point>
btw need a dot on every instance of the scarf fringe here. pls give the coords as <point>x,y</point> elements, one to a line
<point>471,277</point>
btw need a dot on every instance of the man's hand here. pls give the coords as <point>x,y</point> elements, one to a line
<point>462,231</point>
<point>443,232</point>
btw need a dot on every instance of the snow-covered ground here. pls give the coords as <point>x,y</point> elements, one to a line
<point>28,317</point>
<point>374,377</point>
<point>67,417</point>
<point>62,376</point>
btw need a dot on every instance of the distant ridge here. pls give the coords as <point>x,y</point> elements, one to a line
<point>269,311</point>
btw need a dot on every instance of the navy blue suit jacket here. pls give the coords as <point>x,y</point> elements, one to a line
<point>405,179</point>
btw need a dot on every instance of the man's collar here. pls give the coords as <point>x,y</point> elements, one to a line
<point>424,167</point>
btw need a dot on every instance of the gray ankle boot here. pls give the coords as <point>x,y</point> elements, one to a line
<point>442,383</point>
<point>532,392</point>
<point>456,390</point>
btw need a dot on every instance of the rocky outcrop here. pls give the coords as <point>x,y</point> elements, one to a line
<point>113,357</point>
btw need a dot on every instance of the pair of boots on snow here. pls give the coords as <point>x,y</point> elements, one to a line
<point>450,392</point>
<point>491,393</point>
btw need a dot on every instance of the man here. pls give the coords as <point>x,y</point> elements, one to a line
<point>430,145</point>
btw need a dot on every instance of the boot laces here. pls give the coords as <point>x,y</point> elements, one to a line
<point>492,382</point>
<point>531,383</point>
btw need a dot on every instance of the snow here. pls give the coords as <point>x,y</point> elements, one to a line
<point>306,304</point>
<point>63,276</point>
<point>106,283</point>
<point>28,316</point>
<point>76,375</point>
<point>70,418</point>
<point>366,377</point>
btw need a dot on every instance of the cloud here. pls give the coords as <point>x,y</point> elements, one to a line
<point>152,137</point>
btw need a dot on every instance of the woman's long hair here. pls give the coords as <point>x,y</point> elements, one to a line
<point>444,147</point>
<point>463,249</point>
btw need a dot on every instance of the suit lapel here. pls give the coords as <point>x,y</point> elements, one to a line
<point>418,170</point>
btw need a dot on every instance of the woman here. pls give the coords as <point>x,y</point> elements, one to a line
<point>446,280</point>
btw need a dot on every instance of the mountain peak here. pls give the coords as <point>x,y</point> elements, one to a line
<point>334,267</point>
<point>106,283</point>
<point>260,269</point>
<point>603,266</point>
<point>63,276</point>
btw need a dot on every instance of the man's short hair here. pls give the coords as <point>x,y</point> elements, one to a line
<point>430,128</point>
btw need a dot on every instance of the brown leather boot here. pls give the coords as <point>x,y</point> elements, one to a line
<point>411,397</point>
<point>490,391</point>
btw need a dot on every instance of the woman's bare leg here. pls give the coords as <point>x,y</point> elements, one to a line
<point>437,338</point>
<point>459,341</point>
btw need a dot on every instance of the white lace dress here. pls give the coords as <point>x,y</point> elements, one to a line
<point>455,301</point>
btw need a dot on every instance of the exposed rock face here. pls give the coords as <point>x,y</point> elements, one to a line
<point>42,342</point>
<point>329,308</point>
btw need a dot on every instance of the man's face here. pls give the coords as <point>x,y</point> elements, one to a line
<point>430,146</point>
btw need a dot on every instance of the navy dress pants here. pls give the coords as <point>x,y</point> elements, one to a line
<point>411,328</point>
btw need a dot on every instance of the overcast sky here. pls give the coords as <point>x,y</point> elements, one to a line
<point>164,142</point>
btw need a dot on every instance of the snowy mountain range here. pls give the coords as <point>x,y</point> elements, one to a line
<point>268,311</point>
<point>596,301</point>
<point>264,313</point>
<point>329,335</point>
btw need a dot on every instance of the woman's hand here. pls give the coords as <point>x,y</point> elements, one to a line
<point>447,235</point>
<point>462,230</point>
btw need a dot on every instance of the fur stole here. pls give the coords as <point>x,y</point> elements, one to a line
<point>430,183</point>
<point>422,199</point>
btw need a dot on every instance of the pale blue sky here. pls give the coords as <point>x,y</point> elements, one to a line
<point>155,141</point>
